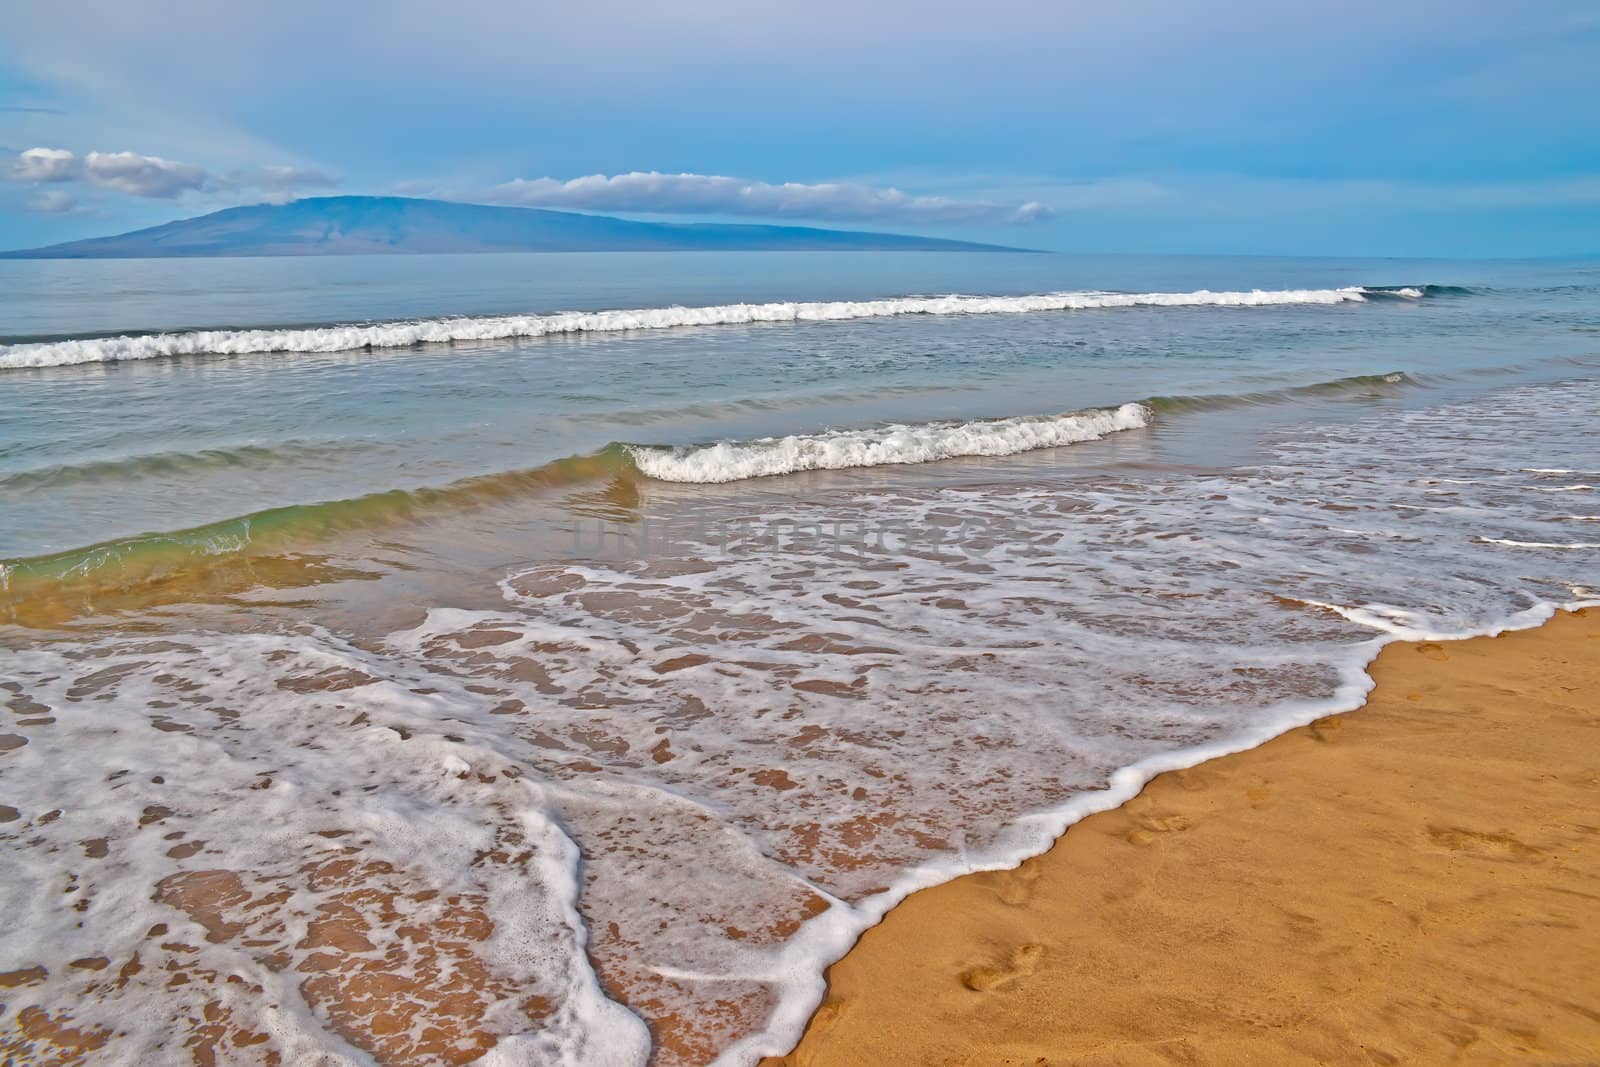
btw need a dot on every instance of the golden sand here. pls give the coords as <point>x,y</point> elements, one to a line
<point>1417,882</point>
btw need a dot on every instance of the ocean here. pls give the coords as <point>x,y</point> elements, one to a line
<point>561,659</point>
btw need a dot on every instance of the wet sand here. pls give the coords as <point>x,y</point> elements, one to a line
<point>1415,882</point>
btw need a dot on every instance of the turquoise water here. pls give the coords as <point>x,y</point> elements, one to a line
<point>100,451</point>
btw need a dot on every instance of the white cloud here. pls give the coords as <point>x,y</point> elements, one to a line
<point>147,176</point>
<point>153,177</point>
<point>45,165</point>
<point>703,194</point>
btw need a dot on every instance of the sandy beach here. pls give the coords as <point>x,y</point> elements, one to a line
<point>1414,882</point>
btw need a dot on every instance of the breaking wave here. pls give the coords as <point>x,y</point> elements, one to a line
<point>1414,292</point>
<point>732,461</point>
<point>1510,543</point>
<point>507,327</point>
<point>126,562</point>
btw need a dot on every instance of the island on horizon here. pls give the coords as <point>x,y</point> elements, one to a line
<point>371,225</point>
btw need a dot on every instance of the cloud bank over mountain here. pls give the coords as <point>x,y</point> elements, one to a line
<point>652,192</point>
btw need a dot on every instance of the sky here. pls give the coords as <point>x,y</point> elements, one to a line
<point>1467,128</point>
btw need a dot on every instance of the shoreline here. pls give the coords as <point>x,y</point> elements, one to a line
<point>1400,883</point>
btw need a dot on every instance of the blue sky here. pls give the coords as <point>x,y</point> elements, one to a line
<point>1467,128</point>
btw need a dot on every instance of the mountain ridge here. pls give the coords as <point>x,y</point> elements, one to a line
<point>376,225</point>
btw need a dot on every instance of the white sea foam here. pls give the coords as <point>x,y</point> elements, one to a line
<point>732,461</point>
<point>756,751</point>
<point>378,815</point>
<point>1535,544</point>
<point>506,327</point>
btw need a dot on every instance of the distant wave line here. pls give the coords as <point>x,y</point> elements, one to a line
<point>324,339</point>
<point>1535,544</point>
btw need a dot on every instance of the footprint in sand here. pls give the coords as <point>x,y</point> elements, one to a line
<point>827,1017</point>
<point>1014,887</point>
<point>1433,650</point>
<point>1149,825</point>
<point>1023,962</point>
<point>1327,729</point>
<point>1460,839</point>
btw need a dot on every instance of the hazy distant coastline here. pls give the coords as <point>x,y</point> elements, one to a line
<point>368,225</point>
